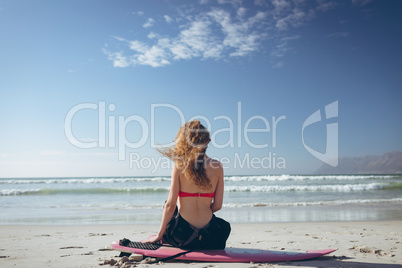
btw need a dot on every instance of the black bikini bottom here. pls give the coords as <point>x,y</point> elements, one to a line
<point>180,233</point>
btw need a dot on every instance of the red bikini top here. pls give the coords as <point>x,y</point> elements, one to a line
<point>184,194</point>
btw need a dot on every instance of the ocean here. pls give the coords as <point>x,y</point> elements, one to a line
<point>247,199</point>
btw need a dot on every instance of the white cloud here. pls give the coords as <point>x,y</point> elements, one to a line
<point>280,6</point>
<point>196,39</point>
<point>150,22</point>
<point>260,3</point>
<point>117,58</point>
<point>232,2</point>
<point>282,48</point>
<point>296,18</point>
<point>138,46</point>
<point>239,36</point>
<point>289,38</point>
<point>278,65</point>
<point>325,5</point>
<point>139,13</point>
<point>152,35</point>
<point>241,12</point>
<point>155,56</point>
<point>168,19</point>
<point>220,32</point>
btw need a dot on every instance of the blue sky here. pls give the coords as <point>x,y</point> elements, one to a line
<point>134,70</point>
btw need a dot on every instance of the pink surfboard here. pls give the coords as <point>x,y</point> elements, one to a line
<point>226,255</point>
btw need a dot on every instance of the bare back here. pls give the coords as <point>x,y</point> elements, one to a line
<point>198,210</point>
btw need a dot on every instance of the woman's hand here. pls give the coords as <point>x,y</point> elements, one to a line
<point>154,239</point>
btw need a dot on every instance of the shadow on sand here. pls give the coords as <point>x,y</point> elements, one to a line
<point>335,261</point>
<point>325,261</point>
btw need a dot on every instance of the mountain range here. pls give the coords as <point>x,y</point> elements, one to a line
<point>388,163</point>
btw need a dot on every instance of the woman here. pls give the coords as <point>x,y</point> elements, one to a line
<point>197,185</point>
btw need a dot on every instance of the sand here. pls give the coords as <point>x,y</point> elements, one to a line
<point>376,244</point>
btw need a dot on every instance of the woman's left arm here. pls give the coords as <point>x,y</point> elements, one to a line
<point>170,205</point>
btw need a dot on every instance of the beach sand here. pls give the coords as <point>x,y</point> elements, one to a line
<point>376,244</point>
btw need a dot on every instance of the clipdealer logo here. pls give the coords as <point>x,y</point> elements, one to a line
<point>330,156</point>
<point>112,133</point>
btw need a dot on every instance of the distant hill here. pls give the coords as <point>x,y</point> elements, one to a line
<point>388,163</point>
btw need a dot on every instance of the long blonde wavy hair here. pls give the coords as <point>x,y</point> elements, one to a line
<point>188,152</point>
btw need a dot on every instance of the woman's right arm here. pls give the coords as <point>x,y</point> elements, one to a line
<point>218,198</point>
<point>170,205</point>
